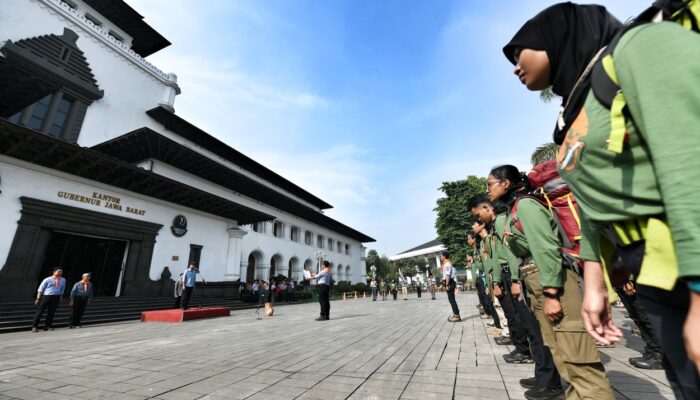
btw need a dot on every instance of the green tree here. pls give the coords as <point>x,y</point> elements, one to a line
<point>547,95</point>
<point>545,152</point>
<point>454,220</point>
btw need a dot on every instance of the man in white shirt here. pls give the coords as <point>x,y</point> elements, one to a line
<point>448,274</point>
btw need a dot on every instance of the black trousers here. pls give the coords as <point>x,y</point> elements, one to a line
<point>186,296</point>
<point>486,303</point>
<point>545,369</point>
<point>518,334</point>
<point>79,304</point>
<point>639,315</point>
<point>324,292</point>
<point>50,303</point>
<point>418,290</point>
<point>451,297</point>
<point>178,300</point>
<point>667,312</point>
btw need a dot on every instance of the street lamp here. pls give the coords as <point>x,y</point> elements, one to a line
<point>374,271</point>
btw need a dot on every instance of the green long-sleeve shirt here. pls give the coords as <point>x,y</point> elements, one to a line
<point>487,260</point>
<point>658,171</point>
<point>502,251</point>
<point>539,240</point>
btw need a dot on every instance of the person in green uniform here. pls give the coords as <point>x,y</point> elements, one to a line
<point>479,228</point>
<point>546,383</point>
<point>474,241</point>
<point>637,200</point>
<point>553,286</point>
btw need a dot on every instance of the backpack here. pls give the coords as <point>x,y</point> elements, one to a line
<point>552,192</point>
<point>604,82</point>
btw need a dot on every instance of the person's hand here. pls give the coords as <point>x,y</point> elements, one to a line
<point>488,292</point>
<point>552,309</point>
<point>497,290</point>
<point>691,330</point>
<point>515,289</point>
<point>70,304</point>
<point>595,310</point>
<point>36,301</point>
<point>629,288</point>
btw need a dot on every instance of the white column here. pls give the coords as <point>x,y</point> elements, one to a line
<point>437,260</point>
<point>233,260</point>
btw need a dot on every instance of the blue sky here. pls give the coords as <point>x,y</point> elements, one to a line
<point>368,104</point>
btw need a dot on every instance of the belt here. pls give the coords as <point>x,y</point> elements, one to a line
<point>528,269</point>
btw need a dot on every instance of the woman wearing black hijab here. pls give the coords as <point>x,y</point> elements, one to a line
<point>648,179</point>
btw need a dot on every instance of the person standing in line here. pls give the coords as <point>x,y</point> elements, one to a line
<point>324,290</point>
<point>383,288</point>
<point>177,292</point>
<point>419,288</point>
<point>373,288</point>
<point>189,279</point>
<point>48,296</point>
<point>80,297</point>
<point>448,274</point>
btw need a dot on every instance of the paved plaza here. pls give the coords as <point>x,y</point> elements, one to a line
<point>368,350</point>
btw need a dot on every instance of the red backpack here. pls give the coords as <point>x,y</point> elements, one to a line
<point>551,191</point>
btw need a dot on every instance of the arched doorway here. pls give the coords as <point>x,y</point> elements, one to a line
<point>253,261</point>
<point>293,270</point>
<point>339,273</point>
<point>348,273</point>
<point>275,262</point>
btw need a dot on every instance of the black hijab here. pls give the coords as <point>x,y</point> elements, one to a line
<point>571,34</point>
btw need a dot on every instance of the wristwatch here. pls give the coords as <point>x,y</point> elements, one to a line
<point>550,295</point>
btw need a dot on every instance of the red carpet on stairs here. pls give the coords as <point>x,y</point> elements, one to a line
<point>177,315</point>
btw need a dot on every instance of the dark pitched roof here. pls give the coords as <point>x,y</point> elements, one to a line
<point>144,144</point>
<point>430,244</point>
<point>31,146</point>
<point>36,66</point>
<point>197,136</point>
<point>146,39</point>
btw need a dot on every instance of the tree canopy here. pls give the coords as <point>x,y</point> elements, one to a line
<point>454,221</point>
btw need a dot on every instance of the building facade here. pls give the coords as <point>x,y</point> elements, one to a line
<point>99,174</point>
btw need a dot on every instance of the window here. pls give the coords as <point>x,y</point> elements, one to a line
<point>278,229</point>
<point>294,234</point>
<point>330,244</point>
<point>59,118</point>
<point>256,227</point>
<point>71,4</point>
<point>308,238</point>
<point>116,36</point>
<point>319,241</point>
<point>195,254</point>
<point>41,108</point>
<point>94,20</point>
<point>338,247</point>
<point>347,249</point>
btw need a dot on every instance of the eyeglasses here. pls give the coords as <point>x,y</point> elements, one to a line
<point>490,184</point>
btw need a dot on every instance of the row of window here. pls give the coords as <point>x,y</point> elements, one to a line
<point>48,115</point>
<point>278,231</point>
<point>94,20</point>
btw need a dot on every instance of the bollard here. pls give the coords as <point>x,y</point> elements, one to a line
<point>363,295</point>
<point>355,295</point>
<point>343,295</point>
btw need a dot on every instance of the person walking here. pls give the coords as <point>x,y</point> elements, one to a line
<point>431,285</point>
<point>394,291</point>
<point>189,279</point>
<point>404,287</point>
<point>448,275</point>
<point>419,288</point>
<point>256,291</point>
<point>177,291</point>
<point>323,286</point>
<point>384,289</point>
<point>48,297</point>
<point>80,297</point>
<point>373,288</point>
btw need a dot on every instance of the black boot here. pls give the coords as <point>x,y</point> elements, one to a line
<point>544,394</point>
<point>518,358</point>
<point>529,383</point>
<point>648,361</point>
<point>503,341</point>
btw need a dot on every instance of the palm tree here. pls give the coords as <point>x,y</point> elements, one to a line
<point>544,153</point>
<point>547,95</point>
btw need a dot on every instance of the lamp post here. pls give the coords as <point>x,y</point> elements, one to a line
<point>374,272</point>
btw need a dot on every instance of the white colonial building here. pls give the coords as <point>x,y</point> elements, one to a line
<point>98,173</point>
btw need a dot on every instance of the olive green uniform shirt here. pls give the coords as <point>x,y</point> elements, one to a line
<point>658,171</point>
<point>503,253</point>
<point>540,240</point>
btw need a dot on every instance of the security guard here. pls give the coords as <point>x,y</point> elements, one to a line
<point>554,289</point>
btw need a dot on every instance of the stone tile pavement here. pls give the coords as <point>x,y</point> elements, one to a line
<point>368,350</point>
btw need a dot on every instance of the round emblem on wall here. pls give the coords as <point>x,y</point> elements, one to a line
<point>179,227</point>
